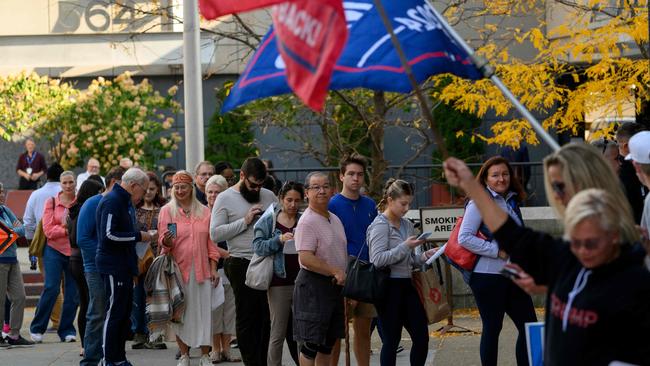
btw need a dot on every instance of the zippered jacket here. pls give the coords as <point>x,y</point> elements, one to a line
<point>117,233</point>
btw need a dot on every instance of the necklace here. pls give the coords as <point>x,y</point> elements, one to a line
<point>186,212</point>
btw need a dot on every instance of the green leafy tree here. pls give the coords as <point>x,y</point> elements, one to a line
<point>229,135</point>
<point>109,120</point>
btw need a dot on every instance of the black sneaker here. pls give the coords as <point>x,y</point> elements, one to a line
<point>3,343</point>
<point>20,342</point>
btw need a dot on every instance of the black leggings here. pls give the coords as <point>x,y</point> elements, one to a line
<point>496,296</point>
<point>402,308</point>
<point>77,271</point>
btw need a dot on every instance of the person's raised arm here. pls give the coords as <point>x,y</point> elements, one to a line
<point>534,251</point>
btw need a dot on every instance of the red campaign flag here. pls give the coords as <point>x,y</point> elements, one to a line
<point>310,36</point>
<point>211,9</point>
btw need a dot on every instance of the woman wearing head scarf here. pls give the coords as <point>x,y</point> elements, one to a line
<point>184,226</point>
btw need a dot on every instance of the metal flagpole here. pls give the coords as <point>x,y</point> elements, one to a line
<point>194,144</point>
<point>488,72</point>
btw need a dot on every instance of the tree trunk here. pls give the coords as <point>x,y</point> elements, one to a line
<point>377,161</point>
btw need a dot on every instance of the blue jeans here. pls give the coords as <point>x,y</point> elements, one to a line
<point>138,315</point>
<point>94,319</point>
<point>56,263</point>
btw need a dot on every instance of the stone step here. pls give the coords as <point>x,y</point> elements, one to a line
<point>33,287</point>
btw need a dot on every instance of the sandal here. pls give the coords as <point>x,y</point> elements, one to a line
<point>227,357</point>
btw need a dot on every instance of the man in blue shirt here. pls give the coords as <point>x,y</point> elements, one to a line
<point>356,212</point>
<point>87,242</point>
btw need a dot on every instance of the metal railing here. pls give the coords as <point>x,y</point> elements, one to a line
<point>428,182</point>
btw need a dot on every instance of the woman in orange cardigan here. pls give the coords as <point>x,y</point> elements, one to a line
<point>184,227</point>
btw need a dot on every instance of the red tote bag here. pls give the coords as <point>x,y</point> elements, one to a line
<point>459,254</point>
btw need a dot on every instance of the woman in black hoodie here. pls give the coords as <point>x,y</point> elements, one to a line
<point>598,306</point>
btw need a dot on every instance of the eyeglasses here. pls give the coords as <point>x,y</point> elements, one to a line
<point>255,185</point>
<point>559,188</point>
<point>319,188</point>
<point>588,244</point>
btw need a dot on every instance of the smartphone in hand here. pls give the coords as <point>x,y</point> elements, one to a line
<point>171,227</point>
<point>511,273</point>
<point>424,235</point>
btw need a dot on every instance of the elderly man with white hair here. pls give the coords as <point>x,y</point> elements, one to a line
<point>117,260</point>
<point>92,168</point>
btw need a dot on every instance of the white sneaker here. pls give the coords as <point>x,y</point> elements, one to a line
<point>36,337</point>
<point>205,361</point>
<point>185,361</point>
<point>70,338</point>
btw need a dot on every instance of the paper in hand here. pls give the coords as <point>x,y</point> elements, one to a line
<point>436,255</point>
<point>290,247</point>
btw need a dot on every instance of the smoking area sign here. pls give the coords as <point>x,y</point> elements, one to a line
<point>439,221</point>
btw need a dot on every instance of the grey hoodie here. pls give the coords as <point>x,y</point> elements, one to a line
<point>387,247</point>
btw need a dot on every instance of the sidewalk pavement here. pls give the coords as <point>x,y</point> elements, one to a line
<point>457,349</point>
<point>454,349</point>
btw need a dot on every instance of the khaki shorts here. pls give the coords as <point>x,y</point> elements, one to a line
<point>361,310</point>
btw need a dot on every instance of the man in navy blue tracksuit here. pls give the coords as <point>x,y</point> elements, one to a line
<point>117,261</point>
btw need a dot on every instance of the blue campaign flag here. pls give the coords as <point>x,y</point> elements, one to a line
<point>368,59</point>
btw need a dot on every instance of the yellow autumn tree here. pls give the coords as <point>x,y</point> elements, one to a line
<point>600,46</point>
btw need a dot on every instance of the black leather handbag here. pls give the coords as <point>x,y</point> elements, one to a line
<point>364,282</point>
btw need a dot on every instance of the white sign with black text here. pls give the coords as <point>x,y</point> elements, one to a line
<point>439,221</point>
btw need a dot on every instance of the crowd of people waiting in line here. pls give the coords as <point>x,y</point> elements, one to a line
<point>208,226</point>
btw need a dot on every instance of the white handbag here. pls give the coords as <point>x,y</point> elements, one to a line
<point>259,272</point>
